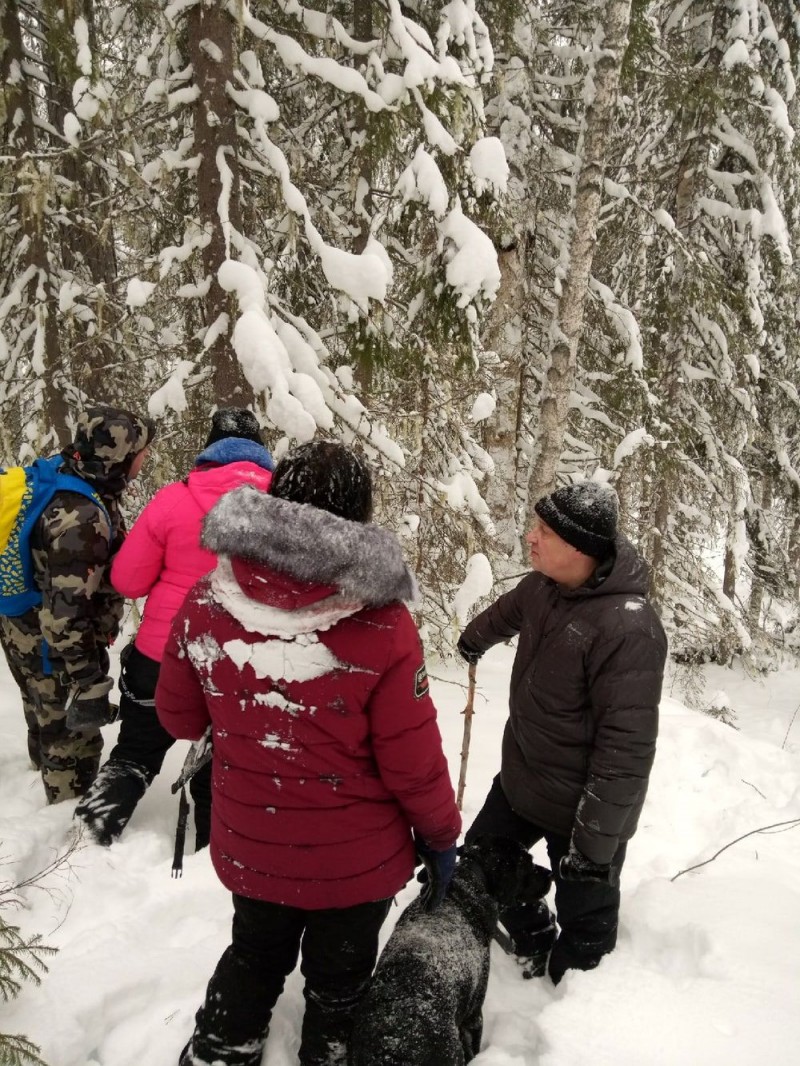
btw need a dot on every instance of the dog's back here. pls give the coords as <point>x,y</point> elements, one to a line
<point>431,977</point>
<point>424,1006</point>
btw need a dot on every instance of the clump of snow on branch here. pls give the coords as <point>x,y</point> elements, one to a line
<point>72,129</point>
<point>637,439</point>
<point>462,495</point>
<point>624,322</point>
<point>478,582</point>
<point>487,160</point>
<point>422,180</point>
<point>138,292</point>
<point>483,407</point>
<point>88,95</point>
<point>262,354</point>
<point>172,393</point>
<point>472,269</point>
<point>281,355</point>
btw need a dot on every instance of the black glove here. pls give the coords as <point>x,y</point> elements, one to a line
<point>91,708</point>
<point>440,867</point>
<point>467,653</point>
<point>574,866</point>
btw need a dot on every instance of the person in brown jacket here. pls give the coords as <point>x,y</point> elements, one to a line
<point>581,735</point>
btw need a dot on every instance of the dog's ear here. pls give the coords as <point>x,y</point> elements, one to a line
<point>534,882</point>
<point>502,862</point>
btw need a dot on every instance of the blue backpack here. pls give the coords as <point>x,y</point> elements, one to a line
<point>25,491</point>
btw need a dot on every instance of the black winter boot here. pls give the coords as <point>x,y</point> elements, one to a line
<point>328,1024</point>
<point>107,807</point>
<point>532,933</point>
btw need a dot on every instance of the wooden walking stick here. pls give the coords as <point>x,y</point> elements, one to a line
<point>468,713</point>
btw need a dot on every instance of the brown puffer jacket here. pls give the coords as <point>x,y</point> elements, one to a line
<point>585,688</point>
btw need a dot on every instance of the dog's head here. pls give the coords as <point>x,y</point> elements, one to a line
<point>510,873</point>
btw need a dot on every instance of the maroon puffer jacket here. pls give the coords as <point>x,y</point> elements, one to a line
<point>309,668</point>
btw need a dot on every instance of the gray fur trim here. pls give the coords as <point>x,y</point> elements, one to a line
<point>362,560</point>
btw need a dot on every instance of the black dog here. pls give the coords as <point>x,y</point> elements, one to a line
<point>425,1003</point>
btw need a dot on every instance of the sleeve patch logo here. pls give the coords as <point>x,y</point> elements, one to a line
<point>421,684</point>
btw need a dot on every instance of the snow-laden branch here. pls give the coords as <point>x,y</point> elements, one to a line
<point>322,25</point>
<point>346,79</point>
<point>624,322</point>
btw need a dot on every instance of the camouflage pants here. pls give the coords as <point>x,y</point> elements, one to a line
<point>68,761</point>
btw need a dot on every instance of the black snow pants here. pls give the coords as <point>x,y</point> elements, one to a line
<point>339,949</point>
<point>587,912</point>
<point>137,757</point>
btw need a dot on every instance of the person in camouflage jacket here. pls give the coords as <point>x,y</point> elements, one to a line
<point>60,648</point>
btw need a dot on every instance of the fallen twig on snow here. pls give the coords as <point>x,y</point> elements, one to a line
<point>764,828</point>
<point>797,708</point>
<point>758,790</point>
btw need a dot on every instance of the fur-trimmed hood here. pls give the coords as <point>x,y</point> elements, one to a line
<point>360,560</point>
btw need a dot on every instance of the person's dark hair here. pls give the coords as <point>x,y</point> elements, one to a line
<point>327,475</point>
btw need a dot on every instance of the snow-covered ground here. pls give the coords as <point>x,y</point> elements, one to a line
<point>707,969</point>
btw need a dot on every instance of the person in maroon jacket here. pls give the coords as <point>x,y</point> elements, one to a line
<point>581,735</point>
<point>328,771</point>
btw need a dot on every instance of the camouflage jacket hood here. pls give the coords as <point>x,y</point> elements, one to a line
<point>106,441</point>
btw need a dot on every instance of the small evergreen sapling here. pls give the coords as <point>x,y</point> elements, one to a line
<point>21,960</point>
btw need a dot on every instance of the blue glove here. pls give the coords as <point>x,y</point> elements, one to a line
<point>575,866</point>
<point>440,867</point>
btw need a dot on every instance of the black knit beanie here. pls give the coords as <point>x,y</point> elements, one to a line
<point>234,422</point>
<point>584,515</point>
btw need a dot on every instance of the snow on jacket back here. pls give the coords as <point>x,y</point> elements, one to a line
<point>162,556</point>
<point>299,652</point>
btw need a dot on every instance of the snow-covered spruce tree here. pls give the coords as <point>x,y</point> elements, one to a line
<point>771,455</point>
<point>667,384</point>
<point>544,82</point>
<point>65,115</point>
<point>536,124</point>
<point>674,403</point>
<point>575,266</point>
<point>339,248</point>
<point>719,246</point>
<point>29,343</point>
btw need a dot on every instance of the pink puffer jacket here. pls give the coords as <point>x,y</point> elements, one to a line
<point>161,557</point>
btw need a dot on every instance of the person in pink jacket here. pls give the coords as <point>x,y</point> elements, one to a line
<point>328,774</point>
<point>162,558</point>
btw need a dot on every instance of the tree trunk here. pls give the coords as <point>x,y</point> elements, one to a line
<point>793,549</point>
<point>86,244</point>
<point>211,28</point>
<point>504,336</point>
<point>757,584</point>
<point>690,165</point>
<point>363,30</point>
<point>30,180</point>
<point>568,323</point>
